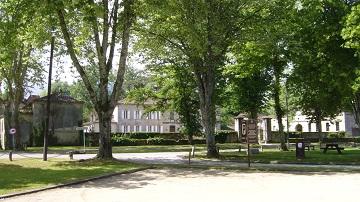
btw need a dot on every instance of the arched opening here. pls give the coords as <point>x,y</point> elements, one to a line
<point>298,128</point>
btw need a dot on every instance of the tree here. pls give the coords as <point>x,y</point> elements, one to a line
<point>22,32</point>
<point>249,80</point>
<point>351,35</point>
<point>266,52</point>
<point>91,30</point>
<point>172,89</point>
<point>323,68</point>
<point>202,32</point>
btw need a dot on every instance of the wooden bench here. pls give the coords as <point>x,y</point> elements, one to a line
<point>332,146</point>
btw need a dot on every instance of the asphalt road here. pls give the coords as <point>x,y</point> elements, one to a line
<point>184,185</point>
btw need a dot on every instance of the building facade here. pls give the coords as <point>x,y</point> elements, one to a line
<point>344,122</point>
<point>65,116</point>
<point>131,117</point>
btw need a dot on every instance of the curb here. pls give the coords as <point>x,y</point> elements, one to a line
<point>74,183</point>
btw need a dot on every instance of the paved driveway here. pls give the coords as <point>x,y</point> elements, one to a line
<point>184,185</point>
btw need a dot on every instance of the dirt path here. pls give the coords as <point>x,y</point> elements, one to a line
<point>175,185</point>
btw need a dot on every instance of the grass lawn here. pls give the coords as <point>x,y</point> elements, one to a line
<point>348,156</point>
<point>26,174</point>
<point>134,149</point>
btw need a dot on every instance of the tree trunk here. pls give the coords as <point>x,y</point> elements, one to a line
<point>105,146</point>
<point>206,85</point>
<point>278,109</point>
<point>356,108</point>
<point>14,123</point>
<point>318,123</point>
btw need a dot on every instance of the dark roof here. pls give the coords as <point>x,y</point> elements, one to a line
<point>54,97</point>
<point>58,97</point>
<point>31,99</point>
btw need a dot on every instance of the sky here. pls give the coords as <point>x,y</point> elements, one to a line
<point>63,70</point>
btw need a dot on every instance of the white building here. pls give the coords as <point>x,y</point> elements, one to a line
<point>130,117</point>
<point>344,122</point>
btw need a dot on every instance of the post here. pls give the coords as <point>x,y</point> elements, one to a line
<point>287,114</point>
<point>84,139</point>
<point>248,149</point>
<point>10,155</point>
<point>48,101</point>
<point>189,157</point>
<point>193,151</point>
<point>13,141</point>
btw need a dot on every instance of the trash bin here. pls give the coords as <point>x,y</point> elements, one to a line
<point>300,150</point>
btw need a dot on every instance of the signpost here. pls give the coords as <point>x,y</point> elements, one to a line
<point>12,131</point>
<point>83,129</point>
<point>249,129</point>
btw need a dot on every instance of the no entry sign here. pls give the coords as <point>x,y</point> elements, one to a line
<point>12,131</point>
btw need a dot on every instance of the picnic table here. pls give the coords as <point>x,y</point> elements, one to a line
<point>308,145</point>
<point>332,146</point>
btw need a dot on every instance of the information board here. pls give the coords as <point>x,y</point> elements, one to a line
<point>252,137</point>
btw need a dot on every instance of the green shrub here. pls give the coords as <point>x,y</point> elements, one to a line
<point>124,141</point>
<point>199,141</point>
<point>221,136</point>
<point>160,141</point>
<point>337,135</point>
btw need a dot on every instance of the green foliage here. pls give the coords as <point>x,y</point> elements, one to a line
<point>29,174</point>
<point>351,30</point>
<point>323,68</point>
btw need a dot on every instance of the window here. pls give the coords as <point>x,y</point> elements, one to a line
<point>137,114</point>
<point>125,114</point>
<point>157,115</point>
<point>298,128</point>
<point>124,129</point>
<point>172,129</point>
<point>337,124</point>
<point>172,116</point>
<point>158,129</point>
<point>153,129</point>
<point>327,126</point>
<point>309,127</point>
<point>137,128</point>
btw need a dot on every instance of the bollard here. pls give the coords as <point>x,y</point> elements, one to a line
<point>193,151</point>
<point>10,156</point>
<point>71,155</point>
<point>189,157</point>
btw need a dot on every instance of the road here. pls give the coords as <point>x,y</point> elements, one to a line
<point>185,185</point>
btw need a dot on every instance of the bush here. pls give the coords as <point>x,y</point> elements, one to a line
<point>160,141</point>
<point>223,136</point>
<point>199,141</point>
<point>337,135</point>
<point>147,135</point>
<point>139,135</point>
<point>124,141</point>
